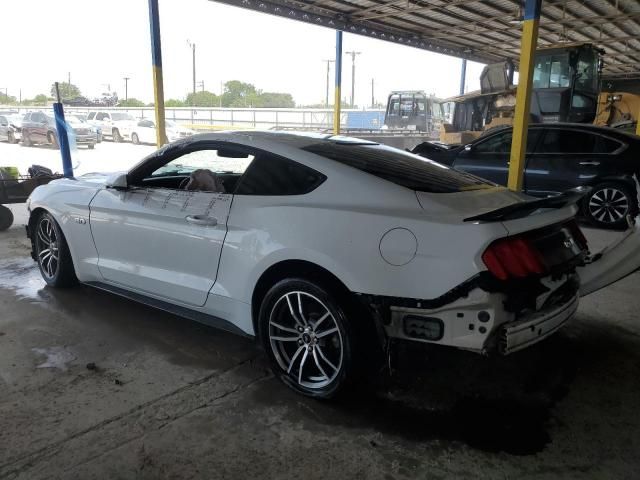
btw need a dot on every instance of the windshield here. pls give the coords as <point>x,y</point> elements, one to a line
<point>551,71</point>
<point>121,116</point>
<point>587,71</point>
<point>402,168</point>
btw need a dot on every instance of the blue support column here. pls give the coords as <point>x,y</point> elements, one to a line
<point>158,84</point>
<point>63,138</point>
<point>337,94</point>
<point>463,75</point>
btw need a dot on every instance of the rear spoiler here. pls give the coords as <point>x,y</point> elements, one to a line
<point>524,209</point>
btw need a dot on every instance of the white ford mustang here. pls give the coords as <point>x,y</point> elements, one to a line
<point>324,247</point>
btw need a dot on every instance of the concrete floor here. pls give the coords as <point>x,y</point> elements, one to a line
<point>169,398</point>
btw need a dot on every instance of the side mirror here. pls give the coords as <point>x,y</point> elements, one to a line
<point>467,147</point>
<point>117,181</point>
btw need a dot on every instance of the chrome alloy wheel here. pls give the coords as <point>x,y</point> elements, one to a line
<point>47,244</point>
<point>306,340</point>
<point>608,205</point>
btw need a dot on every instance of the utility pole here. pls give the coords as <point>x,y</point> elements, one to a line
<point>126,88</point>
<point>373,98</point>
<point>20,101</point>
<point>193,60</point>
<point>326,97</point>
<point>353,75</point>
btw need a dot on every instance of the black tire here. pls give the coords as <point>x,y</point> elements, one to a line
<point>609,203</point>
<point>48,241</point>
<point>26,140</point>
<point>117,138</point>
<point>52,139</point>
<point>91,146</point>
<point>134,139</point>
<point>321,341</point>
<point>6,218</point>
<point>11,138</point>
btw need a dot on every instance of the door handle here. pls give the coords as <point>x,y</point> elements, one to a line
<point>590,163</point>
<point>202,220</point>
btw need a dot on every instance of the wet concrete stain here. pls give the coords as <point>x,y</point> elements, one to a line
<point>57,357</point>
<point>22,276</point>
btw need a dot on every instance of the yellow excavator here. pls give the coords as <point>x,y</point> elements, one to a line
<point>567,87</point>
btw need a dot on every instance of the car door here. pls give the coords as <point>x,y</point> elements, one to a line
<point>487,158</point>
<point>39,127</point>
<point>158,239</point>
<point>147,131</point>
<point>565,158</point>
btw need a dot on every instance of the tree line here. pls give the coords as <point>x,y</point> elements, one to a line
<point>235,94</point>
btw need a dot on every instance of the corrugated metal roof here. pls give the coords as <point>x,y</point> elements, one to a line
<point>481,30</point>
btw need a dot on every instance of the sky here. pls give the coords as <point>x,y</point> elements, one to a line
<point>99,43</point>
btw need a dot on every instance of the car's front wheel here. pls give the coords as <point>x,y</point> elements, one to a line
<point>307,336</point>
<point>52,253</point>
<point>117,138</point>
<point>134,139</point>
<point>608,204</point>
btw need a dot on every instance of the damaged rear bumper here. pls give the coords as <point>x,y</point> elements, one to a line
<point>481,321</point>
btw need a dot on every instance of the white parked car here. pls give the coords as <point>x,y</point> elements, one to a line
<point>323,247</point>
<point>116,126</point>
<point>145,131</point>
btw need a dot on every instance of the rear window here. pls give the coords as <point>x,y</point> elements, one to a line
<point>402,168</point>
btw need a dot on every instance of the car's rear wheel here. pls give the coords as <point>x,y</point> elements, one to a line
<point>26,140</point>
<point>308,338</point>
<point>6,218</point>
<point>52,253</point>
<point>91,146</point>
<point>134,139</point>
<point>11,137</point>
<point>116,135</point>
<point>608,205</point>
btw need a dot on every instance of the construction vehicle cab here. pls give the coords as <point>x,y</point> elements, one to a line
<point>566,88</point>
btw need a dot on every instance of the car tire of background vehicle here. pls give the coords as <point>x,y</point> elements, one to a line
<point>52,252</point>
<point>52,139</point>
<point>91,146</point>
<point>117,138</point>
<point>6,218</point>
<point>312,352</point>
<point>608,204</point>
<point>26,140</point>
<point>11,137</point>
<point>134,139</point>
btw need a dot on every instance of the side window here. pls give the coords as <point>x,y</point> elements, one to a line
<point>91,115</point>
<point>145,123</point>
<point>606,145</point>
<point>567,141</point>
<point>273,175</point>
<point>27,117</point>
<point>220,161</point>
<point>100,116</point>
<point>3,121</point>
<point>500,143</point>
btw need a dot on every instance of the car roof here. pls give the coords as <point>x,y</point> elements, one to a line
<point>292,139</point>
<point>608,131</point>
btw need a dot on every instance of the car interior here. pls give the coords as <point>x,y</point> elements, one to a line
<point>216,178</point>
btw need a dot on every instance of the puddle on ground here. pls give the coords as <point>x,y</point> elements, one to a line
<point>57,357</point>
<point>22,276</point>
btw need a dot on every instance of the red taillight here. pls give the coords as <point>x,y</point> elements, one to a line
<point>513,257</point>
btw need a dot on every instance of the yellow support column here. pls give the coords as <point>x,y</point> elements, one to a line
<point>336,98</point>
<point>528,45</point>
<point>158,84</point>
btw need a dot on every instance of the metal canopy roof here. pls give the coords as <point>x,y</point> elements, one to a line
<point>481,30</point>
